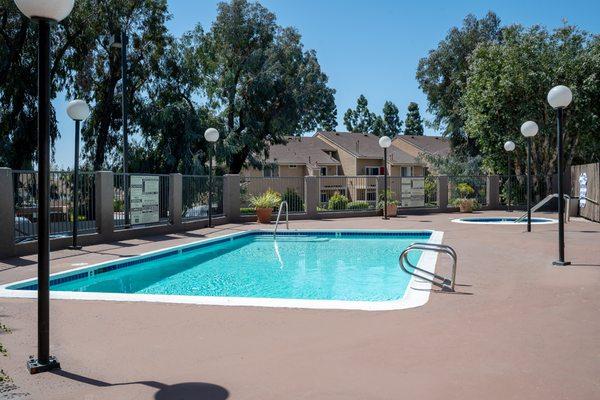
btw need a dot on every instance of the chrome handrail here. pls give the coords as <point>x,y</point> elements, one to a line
<point>287,217</point>
<point>437,280</point>
<point>542,203</point>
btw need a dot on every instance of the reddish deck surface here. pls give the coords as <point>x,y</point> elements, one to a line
<point>521,329</point>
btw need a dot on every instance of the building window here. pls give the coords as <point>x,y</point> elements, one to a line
<point>371,170</point>
<point>371,195</point>
<point>406,171</point>
<point>271,171</point>
<point>324,197</point>
<point>293,166</point>
<point>323,171</point>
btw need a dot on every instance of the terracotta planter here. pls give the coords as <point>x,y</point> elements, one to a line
<point>392,210</point>
<point>264,215</point>
<point>466,206</point>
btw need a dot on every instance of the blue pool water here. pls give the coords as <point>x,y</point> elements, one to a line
<point>355,266</point>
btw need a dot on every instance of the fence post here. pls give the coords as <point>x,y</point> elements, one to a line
<point>311,196</point>
<point>7,214</point>
<point>104,182</point>
<point>442,192</point>
<point>492,192</point>
<point>175,198</point>
<point>231,197</point>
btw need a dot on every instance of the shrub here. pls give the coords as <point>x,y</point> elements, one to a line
<point>337,202</point>
<point>118,205</point>
<point>247,210</point>
<point>269,199</point>
<point>357,205</point>
<point>390,197</point>
<point>294,200</point>
<point>465,190</point>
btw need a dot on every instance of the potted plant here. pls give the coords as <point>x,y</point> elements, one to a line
<point>264,205</point>
<point>465,202</point>
<point>392,205</point>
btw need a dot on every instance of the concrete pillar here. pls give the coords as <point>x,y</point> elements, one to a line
<point>492,192</point>
<point>231,197</point>
<point>105,223</point>
<point>311,196</point>
<point>442,192</point>
<point>7,214</point>
<point>175,198</point>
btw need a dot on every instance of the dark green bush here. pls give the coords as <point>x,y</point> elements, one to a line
<point>294,200</point>
<point>358,205</point>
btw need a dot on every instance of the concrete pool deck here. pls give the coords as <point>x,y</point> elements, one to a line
<point>519,329</point>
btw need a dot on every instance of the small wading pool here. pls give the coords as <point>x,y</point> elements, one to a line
<point>308,269</point>
<point>502,220</point>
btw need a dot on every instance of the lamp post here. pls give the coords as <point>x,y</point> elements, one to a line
<point>509,147</point>
<point>120,42</point>
<point>211,135</point>
<point>384,143</point>
<point>559,98</point>
<point>44,13</point>
<point>78,110</point>
<point>529,129</point>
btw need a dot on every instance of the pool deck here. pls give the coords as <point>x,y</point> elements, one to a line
<point>519,328</point>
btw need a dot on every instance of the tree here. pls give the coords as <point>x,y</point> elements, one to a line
<point>414,123</point>
<point>360,119</point>
<point>442,75</point>
<point>264,85</point>
<point>508,84</point>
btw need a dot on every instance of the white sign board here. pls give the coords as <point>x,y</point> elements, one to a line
<point>413,192</point>
<point>582,189</point>
<point>143,194</point>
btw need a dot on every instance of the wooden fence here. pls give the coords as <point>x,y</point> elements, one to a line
<point>586,186</point>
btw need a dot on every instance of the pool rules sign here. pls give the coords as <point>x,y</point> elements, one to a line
<point>144,199</point>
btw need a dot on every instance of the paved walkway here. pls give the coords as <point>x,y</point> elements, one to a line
<point>520,329</point>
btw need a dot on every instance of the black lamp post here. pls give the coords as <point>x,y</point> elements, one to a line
<point>78,111</point>
<point>44,13</point>
<point>384,143</point>
<point>211,135</point>
<point>509,147</point>
<point>529,129</point>
<point>559,97</point>
<point>120,42</point>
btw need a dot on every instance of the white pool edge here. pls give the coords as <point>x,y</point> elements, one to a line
<point>416,294</point>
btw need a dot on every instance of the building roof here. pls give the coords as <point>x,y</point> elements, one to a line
<point>428,144</point>
<point>302,151</point>
<point>365,145</point>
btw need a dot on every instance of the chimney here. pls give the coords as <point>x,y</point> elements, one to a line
<point>358,146</point>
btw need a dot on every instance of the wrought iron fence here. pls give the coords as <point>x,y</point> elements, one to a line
<point>195,197</point>
<point>348,193</point>
<point>541,186</point>
<point>122,184</point>
<point>291,190</point>
<point>25,187</point>
<point>473,187</point>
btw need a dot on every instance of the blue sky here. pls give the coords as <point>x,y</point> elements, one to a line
<point>370,47</point>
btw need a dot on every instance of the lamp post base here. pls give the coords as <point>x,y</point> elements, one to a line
<point>75,247</point>
<point>561,263</point>
<point>35,367</point>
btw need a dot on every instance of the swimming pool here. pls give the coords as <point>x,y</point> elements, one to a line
<point>309,269</point>
<point>503,220</point>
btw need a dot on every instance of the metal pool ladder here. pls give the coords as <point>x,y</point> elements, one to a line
<point>287,217</point>
<point>437,280</point>
<point>542,203</point>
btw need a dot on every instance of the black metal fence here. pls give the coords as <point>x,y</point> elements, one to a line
<point>471,187</point>
<point>291,189</point>
<point>123,183</point>
<point>348,193</point>
<point>25,184</point>
<point>195,197</point>
<point>541,186</point>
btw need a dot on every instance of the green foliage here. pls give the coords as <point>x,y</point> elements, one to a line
<point>413,124</point>
<point>358,205</point>
<point>247,210</point>
<point>294,200</point>
<point>362,120</point>
<point>118,205</point>
<point>337,202</point>
<point>465,190</point>
<point>442,75</point>
<point>508,84</point>
<point>269,199</point>
<point>390,199</point>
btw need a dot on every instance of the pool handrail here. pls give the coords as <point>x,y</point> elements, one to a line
<point>287,218</point>
<point>541,204</point>
<point>446,284</point>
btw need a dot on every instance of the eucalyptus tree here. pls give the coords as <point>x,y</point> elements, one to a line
<point>263,83</point>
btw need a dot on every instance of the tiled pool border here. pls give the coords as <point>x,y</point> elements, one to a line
<point>416,294</point>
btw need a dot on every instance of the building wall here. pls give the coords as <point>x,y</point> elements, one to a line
<point>362,163</point>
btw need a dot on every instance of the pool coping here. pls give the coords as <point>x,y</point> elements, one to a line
<point>415,295</point>
<point>547,221</point>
